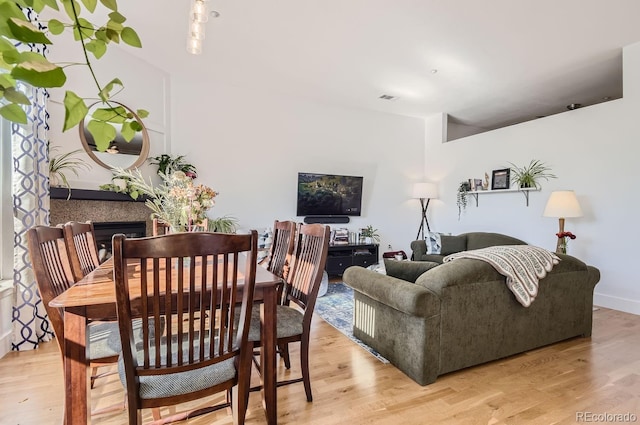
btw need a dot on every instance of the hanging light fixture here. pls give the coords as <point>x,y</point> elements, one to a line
<point>198,17</point>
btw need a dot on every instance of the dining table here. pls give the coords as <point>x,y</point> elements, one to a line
<point>93,298</point>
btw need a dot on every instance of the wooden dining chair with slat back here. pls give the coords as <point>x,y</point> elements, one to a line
<point>83,250</point>
<point>195,358</point>
<point>52,269</point>
<point>299,298</point>
<point>284,237</point>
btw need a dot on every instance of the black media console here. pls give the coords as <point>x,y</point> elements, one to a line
<point>340,257</point>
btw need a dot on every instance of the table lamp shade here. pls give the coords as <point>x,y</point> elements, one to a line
<point>425,191</point>
<point>562,203</point>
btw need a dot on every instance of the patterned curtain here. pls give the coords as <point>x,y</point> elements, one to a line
<point>30,187</point>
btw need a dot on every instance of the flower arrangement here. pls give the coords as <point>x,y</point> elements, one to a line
<point>563,240</point>
<point>176,201</point>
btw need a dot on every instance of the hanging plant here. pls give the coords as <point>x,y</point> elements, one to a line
<point>461,197</point>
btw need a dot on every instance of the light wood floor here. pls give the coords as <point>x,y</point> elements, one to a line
<point>545,386</point>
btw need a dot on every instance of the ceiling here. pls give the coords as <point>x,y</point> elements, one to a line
<point>486,63</point>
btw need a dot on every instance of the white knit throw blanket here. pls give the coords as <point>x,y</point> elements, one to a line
<point>523,266</point>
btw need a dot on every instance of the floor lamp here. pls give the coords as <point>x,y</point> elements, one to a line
<point>562,204</point>
<point>424,192</point>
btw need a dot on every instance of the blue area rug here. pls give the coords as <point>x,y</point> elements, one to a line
<point>336,308</point>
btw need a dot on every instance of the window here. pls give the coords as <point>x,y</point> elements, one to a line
<point>6,209</point>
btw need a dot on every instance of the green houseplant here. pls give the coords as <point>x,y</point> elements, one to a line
<point>528,175</point>
<point>370,232</point>
<point>35,69</point>
<point>167,164</point>
<point>461,196</point>
<point>63,163</point>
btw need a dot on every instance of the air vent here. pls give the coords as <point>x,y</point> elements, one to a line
<point>387,97</point>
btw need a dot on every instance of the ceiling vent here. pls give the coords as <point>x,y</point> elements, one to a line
<point>387,97</point>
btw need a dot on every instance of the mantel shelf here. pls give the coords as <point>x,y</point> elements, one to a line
<point>525,191</point>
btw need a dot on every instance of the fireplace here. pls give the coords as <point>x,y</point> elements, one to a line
<point>105,231</point>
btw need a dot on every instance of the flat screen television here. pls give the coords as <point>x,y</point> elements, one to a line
<point>329,195</point>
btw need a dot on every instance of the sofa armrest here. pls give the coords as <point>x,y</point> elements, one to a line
<point>399,294</point>
<point>418,248</point>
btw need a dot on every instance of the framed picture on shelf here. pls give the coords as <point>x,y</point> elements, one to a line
<point>500,179</point>
<point>478,184</point>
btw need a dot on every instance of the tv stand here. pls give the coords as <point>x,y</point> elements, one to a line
<point>339,257</point>
<point>326,219</point>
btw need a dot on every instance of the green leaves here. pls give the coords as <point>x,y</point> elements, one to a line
<point>103,121</point>
<point>74,110</point>
<point>34,69</point>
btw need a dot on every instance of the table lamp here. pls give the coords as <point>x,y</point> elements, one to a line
<point>424,191</point>
<point>562,204</point>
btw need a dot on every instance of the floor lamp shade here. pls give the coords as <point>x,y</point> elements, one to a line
<point>425,191</point>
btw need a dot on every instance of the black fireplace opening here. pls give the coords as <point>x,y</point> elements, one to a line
<point>105,231</point>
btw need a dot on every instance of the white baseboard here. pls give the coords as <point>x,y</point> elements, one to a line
<point>6,295</point>
<point>617,303</point>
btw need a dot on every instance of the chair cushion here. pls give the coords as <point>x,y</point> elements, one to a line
<point>289,322</point>
<point>104,337</point>
<point>169,385</point>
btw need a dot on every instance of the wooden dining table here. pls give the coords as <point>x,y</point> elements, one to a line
<point>93,298</point>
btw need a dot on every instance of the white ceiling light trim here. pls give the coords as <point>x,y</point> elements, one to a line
<point>198,17</point>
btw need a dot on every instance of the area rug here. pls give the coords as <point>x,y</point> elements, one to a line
<point>336,308</point>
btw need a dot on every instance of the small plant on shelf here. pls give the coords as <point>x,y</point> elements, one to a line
<point>167,164</point>
<point>63,163</point>
<point>370,232</point>
<point>528,175</point>
<point>461,197</point>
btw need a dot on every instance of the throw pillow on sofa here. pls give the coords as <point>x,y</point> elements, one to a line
<point>452,244</point>
<point>407,270</point>
<point>433,243</point>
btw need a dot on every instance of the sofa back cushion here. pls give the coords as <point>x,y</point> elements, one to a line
<point>453,244</point>
<point>477,240</point>
<point>407,270</point>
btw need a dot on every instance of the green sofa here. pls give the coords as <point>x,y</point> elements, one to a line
<point>463,242</point>
<point>461,313</point>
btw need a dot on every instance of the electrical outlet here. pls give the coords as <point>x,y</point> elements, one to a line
<point>389,246</point>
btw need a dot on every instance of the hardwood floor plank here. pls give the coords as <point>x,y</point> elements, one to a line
<point>549,385</point>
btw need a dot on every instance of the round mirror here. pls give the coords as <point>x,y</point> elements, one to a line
<point>120,153</point>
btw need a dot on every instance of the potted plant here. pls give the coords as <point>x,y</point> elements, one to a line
<point>370,235</point>
<point>528,175</point>
<point>60,164</point>
<point>167,164</point>
<point>461,196</point>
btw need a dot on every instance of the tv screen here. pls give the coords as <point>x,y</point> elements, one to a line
<point>328,194</point>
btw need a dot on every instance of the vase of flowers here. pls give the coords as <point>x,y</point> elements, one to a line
<point>563,239</point>
<point>177,201</point>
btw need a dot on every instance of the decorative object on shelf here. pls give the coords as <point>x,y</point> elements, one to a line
<point>177,200</point>
<point>126,147</point>
<point>563,240</point>
<point>485,184</point>
<point>528,175</point>
<point>370,235</point>
<point>60,164</point>
<point>168,164</point>
<point>424,191</point>
<point>562,204</point>
<point>198,17</point>
<point>121,185</point>
<point>500,179</point>
<point>461,197</point>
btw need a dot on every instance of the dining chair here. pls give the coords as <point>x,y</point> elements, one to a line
<point>284,237</point>
<point>298,299</point>
<point>80,239</point>
<point>160,227</point>
<point>195,358</point>
<point>52,269</point>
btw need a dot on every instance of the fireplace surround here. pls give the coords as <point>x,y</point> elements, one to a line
<point>110,212</point>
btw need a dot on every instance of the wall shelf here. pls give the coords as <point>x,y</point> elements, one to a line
<point>524,191</point>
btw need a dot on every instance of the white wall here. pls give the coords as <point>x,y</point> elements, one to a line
<point>592,150</point>
<point>250,146</point>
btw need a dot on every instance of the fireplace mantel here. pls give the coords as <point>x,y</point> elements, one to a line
<point>92,195</point>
